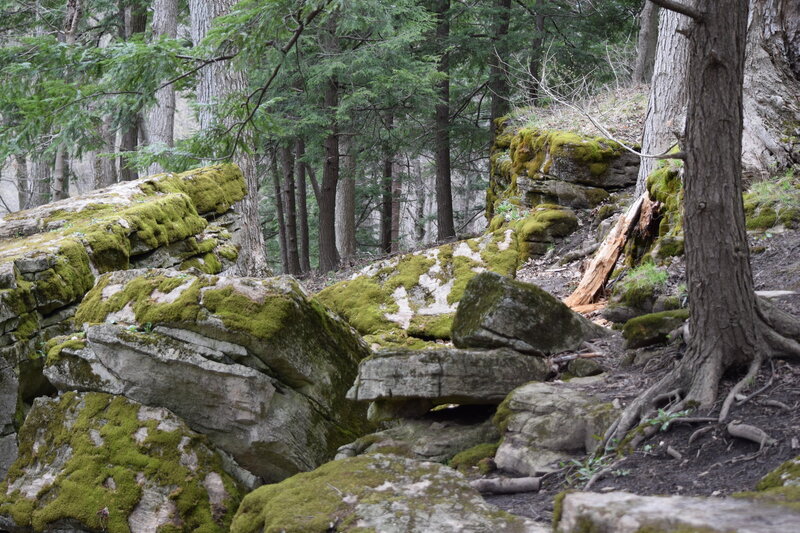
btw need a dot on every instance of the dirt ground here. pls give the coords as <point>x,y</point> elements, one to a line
<point>706,460</point>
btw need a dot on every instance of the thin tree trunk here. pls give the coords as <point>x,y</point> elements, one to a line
<point>397,191</point>
<point>328,254</point>
<point>282,241</point>
<point>23,181</point>
<point>217,82</point>
<point>60,188</point>
<point>40,169</point>
<point>666,109</point>
<point>386,186</point>
<point>135,22</point>
<point>290,210</point>
<point>160,123</point>
<point>108,175</point>
<point>444,194</point>
<point>498,82</point>
<point>346,203</point>
<point>302,209</point>
<point>535,65</point>
<point>646,44</point>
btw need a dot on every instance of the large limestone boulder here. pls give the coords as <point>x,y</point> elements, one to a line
<point>377,492</point>
<point>621,512</point>
<point>8,408</point>
<point>544,423</point>
<point>496,311</point>
<point>410,382</point>
<point>409,301</point>
<point>94,462</point>
<point>256,365</point>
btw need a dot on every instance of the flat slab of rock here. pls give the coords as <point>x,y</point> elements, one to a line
<point>496,311</point>
<point>375,492</point>
<point>95,462</point>
<point>621,512</point>
<point>443,376</point>
<point>543,423</point>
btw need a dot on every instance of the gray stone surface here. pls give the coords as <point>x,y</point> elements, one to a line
<point>8,409</point>
<point>546,191</point>
<point>445,375</point>
<point>543,423</point>
<point>621,512</point>
<point>376,492</point>
<point>496,311</point>
<point>83,453</point>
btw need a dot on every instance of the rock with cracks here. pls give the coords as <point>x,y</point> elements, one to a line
<point>544,423</point>
<point>621,512</point>
<point>407,383</point>
<point>496,311</point>
<point>375,492</point>
<point>256,365</point>
<point>94,462</point>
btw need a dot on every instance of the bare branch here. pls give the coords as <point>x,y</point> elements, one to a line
<point>677,7</point>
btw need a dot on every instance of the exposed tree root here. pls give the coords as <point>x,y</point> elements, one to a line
<point>694,381</point>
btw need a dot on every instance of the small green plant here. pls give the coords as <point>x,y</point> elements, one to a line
<point>510,211</point>
<point>583,471</point>
<point>644,276</point>
<point>664,418</point>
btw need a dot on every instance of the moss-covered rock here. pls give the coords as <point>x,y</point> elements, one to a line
<point>654,328</point>
<point>410,301</point>
<point>496,311</point>
<point>104,463</point>
<point>775,202</point>
<point>377,492</point>
<point>779,487</point>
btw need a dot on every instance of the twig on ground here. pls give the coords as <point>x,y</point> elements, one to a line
<point>503,485</point>
<point>746,431</point>
<point>675,454</point>
<point>601,473</point>
<point>699,433</point>
<point>776,403</point>
<point>761,389</point>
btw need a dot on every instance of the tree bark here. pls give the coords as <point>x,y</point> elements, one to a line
<point>23,181</point>
<point>386,189</point>
<point>40,194</point>
<point>60,187</point>
<point>535,64</point>
<point>772,88</point>
<point>346,202</point>
<point>135,18</point>
<point>290,210</point>
<point>498,81</point>
<point>161,117</point>
<point>666,109</point>
<point>279,212</point>
<point>217,82</point>
<point>302,209</point>
<point>646,44</point>
<point>444,194</point>
<point>397,191</point>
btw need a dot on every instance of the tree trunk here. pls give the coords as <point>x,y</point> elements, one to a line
<point>386,188</point>
<point>498,81</point>
<point>135,22</point>
<point>328,254</point>
<point>290,210</point>
<point>772,88</point>
<point>444,195</point>
<point>535,65</point>
<point>666,109</point>
<point>108,173</point>
<point>218,81</point>
<point>646,44</point>
<point>279,212</point>
<point>397,191</point>
<point>23,182</point>
<point>346,203</point>
<point>60,187</point>
<point>161,118</point>
<point>40,194</point>
<point>302,209</point>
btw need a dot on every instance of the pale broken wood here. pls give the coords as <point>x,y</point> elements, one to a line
<point>506,485</point>
<point>606,257</point>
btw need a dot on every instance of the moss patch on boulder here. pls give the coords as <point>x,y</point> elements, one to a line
<point>654,328</point>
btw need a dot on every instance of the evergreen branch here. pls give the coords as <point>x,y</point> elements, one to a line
<point>204,63</point>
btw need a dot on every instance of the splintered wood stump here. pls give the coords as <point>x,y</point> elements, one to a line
<point>606,257</point>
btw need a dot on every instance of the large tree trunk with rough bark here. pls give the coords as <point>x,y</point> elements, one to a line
<point>290,210</point>
<point>772,88</point>
<point>444,194</point>
<point>160,123</point>
<point>535,63</point>
<point>23,181</point>
<point>646,44</point>
<point>279,211</point>
<point>217,82</point>
<point>666,108</point>
<point>498,78</point>
<point>40,188</point>
<point>135,22</point>
<point>302,204</point>
<point>346,202</point>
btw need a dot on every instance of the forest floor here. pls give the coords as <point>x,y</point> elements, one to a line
<point>711,462</point>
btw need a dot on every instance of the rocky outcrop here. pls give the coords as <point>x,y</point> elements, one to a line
<point>654,328</point>
<point>374,492</point>
<point>496,311</point>
<point>435,437</point>
<point>544,423</point>
<point>409,301</point>
<point>409,383</point>
<point>94,462</point>
<point>779,487</point>
<point>8,409</point>
<point>50,255</point>
<point>256,365</point>
<point>621,512</point>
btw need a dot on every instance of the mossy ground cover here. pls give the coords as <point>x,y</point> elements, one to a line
<point>101,472</point>
<point>774,202</point>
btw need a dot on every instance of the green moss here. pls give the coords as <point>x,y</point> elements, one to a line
<point>212,189</point>
<point>502,415</point>
<point>362,302</point>
<point>407,271</point>
<point>558,507</point>
<point>229,252</point>
<point>55,346</point>
<point>653,328</point>
<point>788,496</point>
<point>240,313</point>
<point>463,461</point>
<point>431,326</point>
<point>80,491</point>
<point>786,474</point>
<point>638,288</point>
